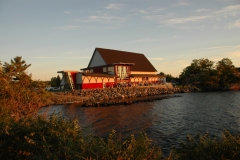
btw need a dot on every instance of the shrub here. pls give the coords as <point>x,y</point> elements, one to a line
<point>203,147</point>
<point>59,138</point>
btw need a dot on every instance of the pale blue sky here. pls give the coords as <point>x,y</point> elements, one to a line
<point>55,35</point>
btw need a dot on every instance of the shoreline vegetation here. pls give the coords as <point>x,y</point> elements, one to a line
<point>26,135</point>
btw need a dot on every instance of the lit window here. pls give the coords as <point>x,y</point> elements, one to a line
<point>111,69</point>
<point>104,69</point>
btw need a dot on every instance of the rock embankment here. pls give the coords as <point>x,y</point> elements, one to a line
<point>114,96</point>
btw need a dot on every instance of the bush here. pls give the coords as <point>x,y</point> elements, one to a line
<point>203,147</point>
<point>58,138</point>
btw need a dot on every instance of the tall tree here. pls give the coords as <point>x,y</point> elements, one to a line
<point>20,96</point>
<point>200,73</point>
<point>226,71</point>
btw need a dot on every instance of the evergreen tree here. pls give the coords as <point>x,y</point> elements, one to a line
<point>18,93</point>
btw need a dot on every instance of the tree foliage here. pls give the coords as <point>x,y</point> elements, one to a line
<point>226,71</point>
<point>169,77</point>
<point>203,74</point>
<point>19,94</point>
<point>55,81</point>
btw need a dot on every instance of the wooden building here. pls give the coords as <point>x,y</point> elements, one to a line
<point>112,68</point>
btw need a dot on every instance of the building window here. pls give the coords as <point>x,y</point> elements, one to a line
<point>104,69</point>
<point>111,69</point>
<point>123,72</point>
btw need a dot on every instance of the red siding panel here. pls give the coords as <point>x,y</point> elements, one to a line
<point>92,85</point>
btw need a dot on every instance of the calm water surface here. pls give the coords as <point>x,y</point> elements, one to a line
<point>165,121</point>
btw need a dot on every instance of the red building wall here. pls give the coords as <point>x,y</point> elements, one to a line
<point>92,85</point>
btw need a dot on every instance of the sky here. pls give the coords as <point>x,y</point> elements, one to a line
<point>55,35</point>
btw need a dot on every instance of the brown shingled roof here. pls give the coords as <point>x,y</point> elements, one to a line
<point>114,56</point>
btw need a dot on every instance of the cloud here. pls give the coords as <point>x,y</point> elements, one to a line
<point>156,58</point>
<point>114,6</point>
<point>199,15</point>
<point>67,27</point>
<point>143,11</point>
<point>183,63</point>
<point>170,19</point>
<point>43,57</point>
<point>144,40</point>
<point>233,10</point>
<point>67,12</point>
<point>201,10</point>
<point>157,10</point>
<point>218,47</point>
<point>233,54</point>
<point>185,20</point>
<point>105,18</point>
<point>180,4</point>
<point>76,57</point>
<point>235,24</point>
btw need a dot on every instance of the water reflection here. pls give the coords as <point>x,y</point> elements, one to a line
<point>166,121</point>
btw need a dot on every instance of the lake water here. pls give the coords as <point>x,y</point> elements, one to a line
<point>167,121</point>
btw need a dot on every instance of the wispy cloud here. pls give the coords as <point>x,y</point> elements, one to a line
<point>143,11</point>
<point>235,54</point>
<point>185,20</point>
<point>179,4</point>
<point>201,10</point>
<point>144,40</point>
<point>156,58</point>
<point>66,27</point>
<point>157,10</point>
<point>218,47</point>
<point>199,15</point>
<point>105,18</point>
<point>76,57</point>
<point>233,10</point>
<point>235,24</point>
<point>45,57</point>
<point>183,63</point>
<point>114,6</point>
<point>67,12</point>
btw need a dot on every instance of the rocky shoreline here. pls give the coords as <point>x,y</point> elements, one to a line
<point>115,96</point>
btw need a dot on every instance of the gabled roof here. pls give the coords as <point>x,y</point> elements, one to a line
<point>114,56</point>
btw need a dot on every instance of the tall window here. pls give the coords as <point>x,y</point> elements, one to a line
<point>111,69</point>
<point>122,72</point>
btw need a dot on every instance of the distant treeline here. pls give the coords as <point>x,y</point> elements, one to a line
<point>205,75</point>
